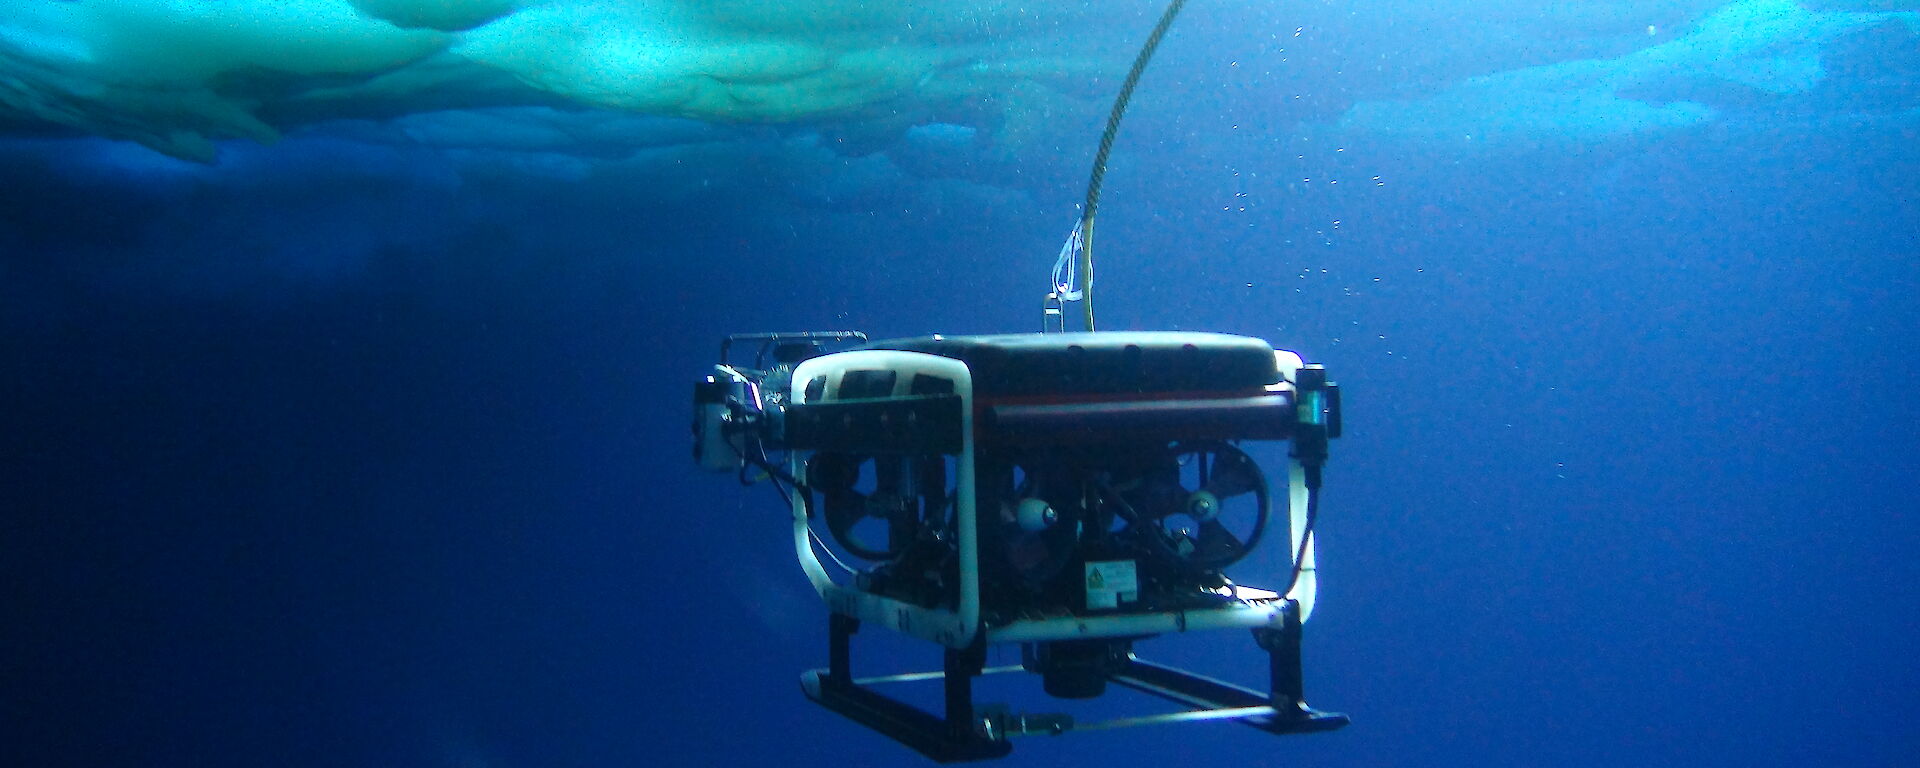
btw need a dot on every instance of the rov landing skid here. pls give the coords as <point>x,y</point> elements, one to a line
<point>970,733</point>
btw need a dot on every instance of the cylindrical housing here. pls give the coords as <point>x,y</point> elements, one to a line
<point>711,446</point>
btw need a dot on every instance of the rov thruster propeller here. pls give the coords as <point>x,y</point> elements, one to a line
<point>1205,507</point>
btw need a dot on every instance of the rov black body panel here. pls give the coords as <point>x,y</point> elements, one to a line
<point>918,424</point>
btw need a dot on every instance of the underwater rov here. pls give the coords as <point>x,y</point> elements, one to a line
<point>1072,494</point>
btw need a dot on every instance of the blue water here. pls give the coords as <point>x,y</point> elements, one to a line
<point>333,453</point>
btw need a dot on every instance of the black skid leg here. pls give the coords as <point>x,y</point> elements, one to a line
<point>840,631</point>
<point>1291,713</point>
<point>1286,681</point>
<point>947,740</point>
<point>961,666</point>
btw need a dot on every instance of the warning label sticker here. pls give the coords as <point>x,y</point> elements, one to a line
<point>1110,583</point>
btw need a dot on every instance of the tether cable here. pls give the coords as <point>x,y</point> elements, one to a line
<point>1106,147</point>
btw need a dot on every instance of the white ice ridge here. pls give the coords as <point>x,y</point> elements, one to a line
<point>180,75</point>
<point>1768,47</point>
<point>177,75</point>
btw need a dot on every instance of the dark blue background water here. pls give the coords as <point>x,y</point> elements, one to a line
<point>356,466</point>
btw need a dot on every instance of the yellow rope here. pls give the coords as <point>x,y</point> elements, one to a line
<point>1106,147</point>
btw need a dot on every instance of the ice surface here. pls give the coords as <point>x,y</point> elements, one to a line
<point>604,78</point>
<point>1768,47</point>
<point>176,75</point>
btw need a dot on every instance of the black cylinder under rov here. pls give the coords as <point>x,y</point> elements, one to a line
<point>1075,669</point>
